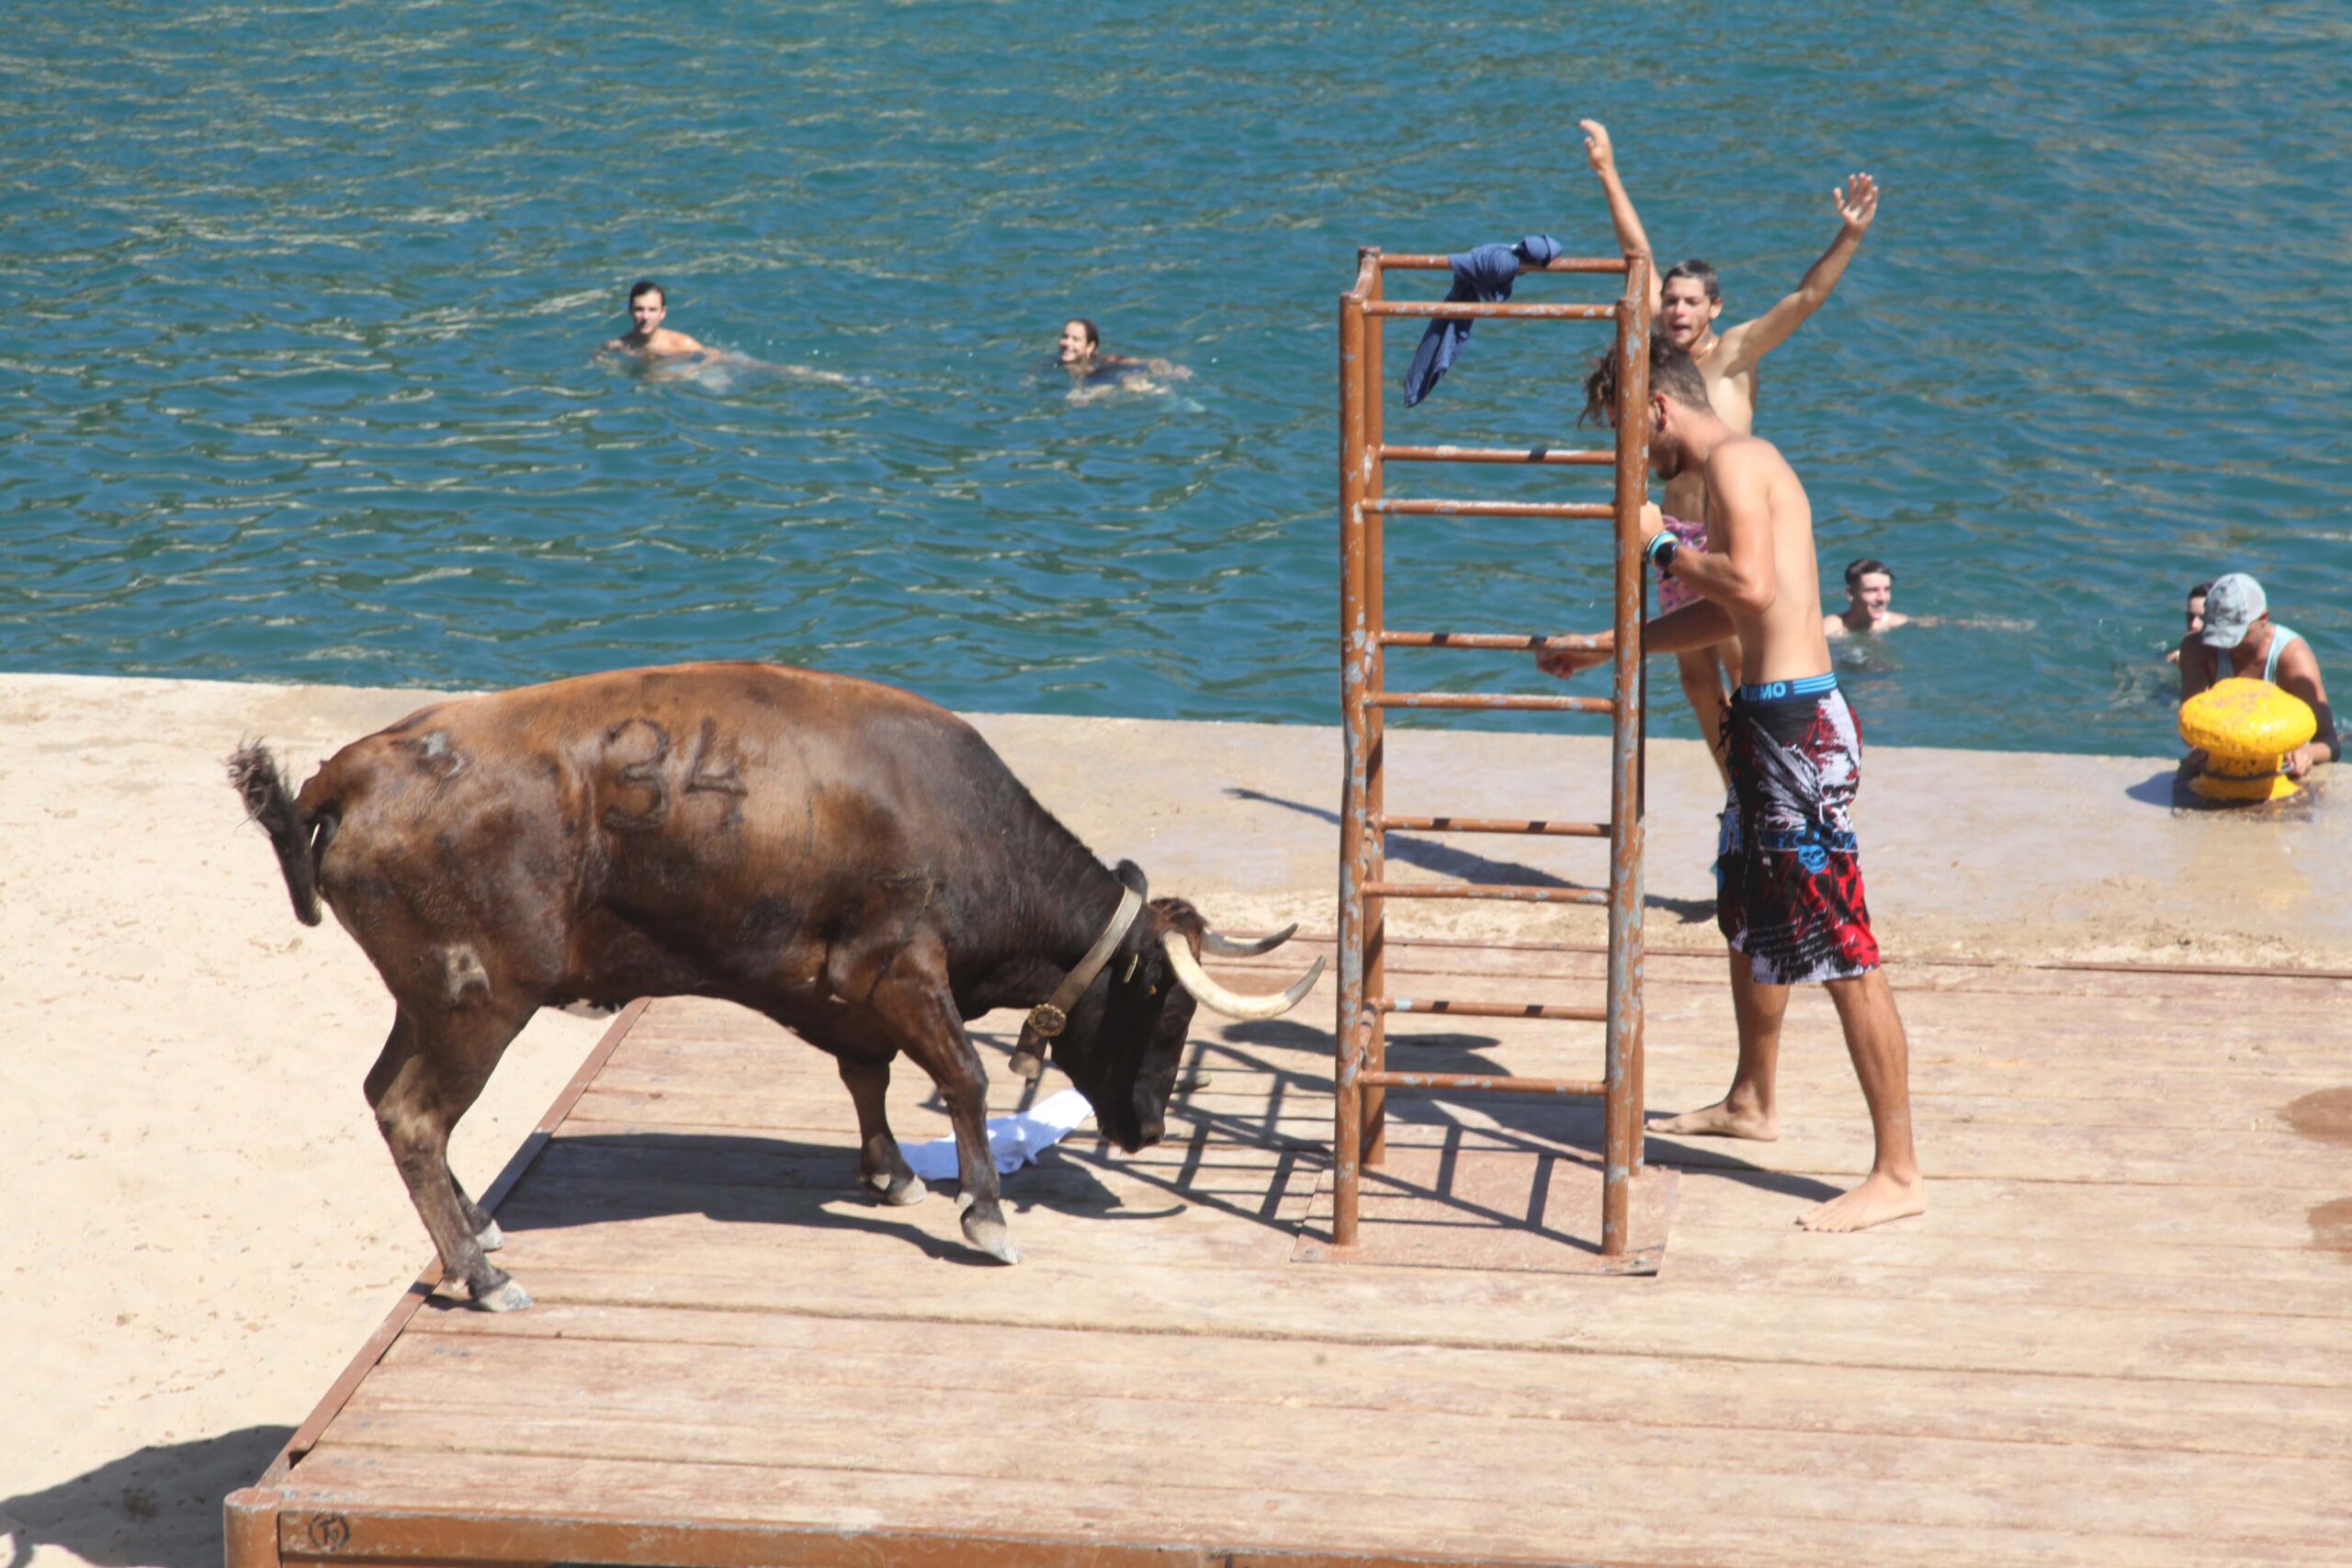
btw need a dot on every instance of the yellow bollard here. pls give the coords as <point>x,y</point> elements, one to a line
<point>2245,728</point>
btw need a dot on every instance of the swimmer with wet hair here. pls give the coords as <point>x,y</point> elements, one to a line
<point>1080,353</point>
<point>648,308</point>
<point>1869,587</point>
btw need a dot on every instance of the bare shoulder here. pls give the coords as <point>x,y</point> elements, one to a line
<point>1734,346</point>
<point>2298,660</point>
<point>1745,460</point>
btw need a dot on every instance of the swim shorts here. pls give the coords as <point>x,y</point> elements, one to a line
<point>1672,595</point>
<point>1788,876</point>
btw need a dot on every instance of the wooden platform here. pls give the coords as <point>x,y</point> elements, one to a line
<point>2123,1334</point>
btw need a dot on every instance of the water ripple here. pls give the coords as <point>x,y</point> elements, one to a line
<point>305,382</point>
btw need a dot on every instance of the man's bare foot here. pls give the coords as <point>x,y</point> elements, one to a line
<point>1719,1121</point>
<point>1879,1199</point>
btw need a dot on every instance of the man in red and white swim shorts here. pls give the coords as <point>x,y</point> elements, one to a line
<point>1789,880</point>
<point>1788,874</point>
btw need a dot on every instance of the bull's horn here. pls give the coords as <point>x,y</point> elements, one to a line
<point>1226,947</point>
<point>1233,1004</point>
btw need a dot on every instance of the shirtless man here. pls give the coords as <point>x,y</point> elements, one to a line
<point>1684,305</point>
<point>647,307</point>
<point>1870,589</point>
<point>1788,882</point>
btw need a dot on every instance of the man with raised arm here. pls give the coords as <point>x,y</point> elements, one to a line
<point>1788,874</point>
<point>1684,306</point>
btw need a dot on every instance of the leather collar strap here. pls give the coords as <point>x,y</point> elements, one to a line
<point>1049,1017</point>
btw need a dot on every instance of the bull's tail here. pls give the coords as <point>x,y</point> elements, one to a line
<point>270,802</point>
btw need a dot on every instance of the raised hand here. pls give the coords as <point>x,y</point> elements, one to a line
<point>1596,145</point>
<point>1857,204</point>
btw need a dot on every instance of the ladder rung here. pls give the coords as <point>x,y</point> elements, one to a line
<point>1488,1009</point>
<point>1485,890</point>
<point>1545,455</point>
<point>1513,702</point>
<point>1572,1088</point>
<point>1595,509</point>
<point>1473,310</point>
<point>1419,262</point>
<point>1531,643</point>
<point>1536,826</point>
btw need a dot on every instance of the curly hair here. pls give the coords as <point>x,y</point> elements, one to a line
<point>1672,372</point>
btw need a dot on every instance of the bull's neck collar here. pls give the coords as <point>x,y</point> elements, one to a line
<point>1049,1017</point>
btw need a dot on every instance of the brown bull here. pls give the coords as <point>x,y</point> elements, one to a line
<point>848,859</point>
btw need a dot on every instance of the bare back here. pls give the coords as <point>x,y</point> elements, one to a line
<point>1758,515</point>
<point>1731,392</point>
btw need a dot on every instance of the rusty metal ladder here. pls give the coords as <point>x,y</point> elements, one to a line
<point>1366,1002</point>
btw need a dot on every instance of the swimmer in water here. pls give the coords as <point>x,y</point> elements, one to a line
<point>2196,618</point>
<point>1870,588</point>
<point>1081,354</point>
<point>1684,305</point>
<point>648,306</point>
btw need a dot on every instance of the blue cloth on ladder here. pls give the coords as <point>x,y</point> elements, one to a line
<point>1485,274</point>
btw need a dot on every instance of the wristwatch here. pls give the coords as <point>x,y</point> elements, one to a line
<point>1661,550</point>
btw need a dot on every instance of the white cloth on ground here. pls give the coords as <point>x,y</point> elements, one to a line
<point>1013,1141</point>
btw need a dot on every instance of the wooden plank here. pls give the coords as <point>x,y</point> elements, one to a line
<point>2186,1222</point>
<point>2186,1096</point>
<point>1450,1307</point>
<point>2245,1101</point>
<point>1610,1517</point>
<point>1816,1140</point>
<point>1402,1458</point>
<point>565,1350</point>
<point>2112,1339</point>
<point>1245,1179</point>
<point>617,1206</point>
<point>2189,1032</point>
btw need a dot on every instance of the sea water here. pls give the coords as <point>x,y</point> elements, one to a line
<point>303,377</point>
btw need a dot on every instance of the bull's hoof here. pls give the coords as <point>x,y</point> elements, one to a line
<point>990,1235</point>
<point>489,1238</point>
<point>899,1190</point>
<point>507,1297</point>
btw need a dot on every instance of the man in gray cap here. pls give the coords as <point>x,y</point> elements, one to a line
<point>2239,638</point>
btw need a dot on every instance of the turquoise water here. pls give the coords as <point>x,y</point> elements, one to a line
<point>303,381</point>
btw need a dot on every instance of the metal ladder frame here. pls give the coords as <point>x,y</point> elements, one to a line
<point>1363,1078</point>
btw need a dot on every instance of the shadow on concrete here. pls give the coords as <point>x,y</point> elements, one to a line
<point>1446,860</point>
<point>2163,788</point>
<point>1442,859</point>
<point>158,1506</point>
